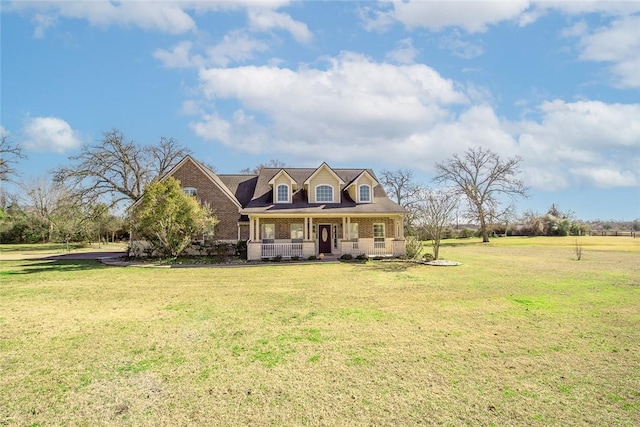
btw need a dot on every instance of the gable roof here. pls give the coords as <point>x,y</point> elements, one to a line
<point>211,175</point>
<point>262,199</point>
<point>325,166</point>
<point>254,193</point>
<point>283,172</point>
<point>357,178</point>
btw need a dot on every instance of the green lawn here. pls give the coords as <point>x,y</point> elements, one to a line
<point>520,334</point>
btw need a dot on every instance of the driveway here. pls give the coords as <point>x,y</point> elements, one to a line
<point>87,255</point>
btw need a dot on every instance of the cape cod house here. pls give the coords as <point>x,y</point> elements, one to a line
<point>299,212</point>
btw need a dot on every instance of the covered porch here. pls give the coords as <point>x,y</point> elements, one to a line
<point>295,237</point>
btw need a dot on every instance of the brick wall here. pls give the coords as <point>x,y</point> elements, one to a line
<point>365,226</point>
<point>223,208</point>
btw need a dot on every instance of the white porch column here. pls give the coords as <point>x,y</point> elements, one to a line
<point>251,228</point>
<point>310,228</point>
<point>305,231</point>
<point>344,228</point>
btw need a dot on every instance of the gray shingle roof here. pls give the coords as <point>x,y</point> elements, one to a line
<point>262,199</point>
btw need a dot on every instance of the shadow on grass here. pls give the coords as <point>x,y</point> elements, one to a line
<point>17,247</point>
<point>455,243</point>
<point>392,266</point>
<point>50,265</point>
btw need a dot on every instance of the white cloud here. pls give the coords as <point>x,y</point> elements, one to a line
<point>266,20</point>
<point>172,17</point>
<point>619,44</point>
<point>235,47</point>
<point>353,96</point>
<point>164,16</point>
<point>356,109</point>
<point>179,56</point>
<point>404,53</point>
<point>477,16</point>
<point>584,141</point>
<point>473,16</point>
<point>50,134</point>
<point>3,132</point>
<point>606,176</point>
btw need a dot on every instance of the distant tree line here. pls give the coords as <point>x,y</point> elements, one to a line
<point>89,198</point>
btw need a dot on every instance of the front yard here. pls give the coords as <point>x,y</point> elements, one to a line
<point>520,334</point>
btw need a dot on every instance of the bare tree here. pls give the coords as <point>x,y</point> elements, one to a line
<point>48,203</point>
<point>402,189</point>
<point>9,156</point>
<point>436,210</point>
<point>482,177</point>
<point>273,163</point>
<point>118,168</point>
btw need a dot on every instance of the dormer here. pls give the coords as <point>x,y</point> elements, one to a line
<point>324,186</point>
<point>283,187</point>
<point>361,188</point>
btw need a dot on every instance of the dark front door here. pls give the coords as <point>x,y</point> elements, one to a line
<point>324,239</point>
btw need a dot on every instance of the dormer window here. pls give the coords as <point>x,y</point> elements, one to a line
<point>365,194</point>
<point>282,193</point>
<point>324,193</point>
<point>190,191</point>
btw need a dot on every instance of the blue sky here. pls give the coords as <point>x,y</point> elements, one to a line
<point>386,85</point>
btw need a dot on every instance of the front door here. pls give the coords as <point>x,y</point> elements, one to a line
<point>324,239</point>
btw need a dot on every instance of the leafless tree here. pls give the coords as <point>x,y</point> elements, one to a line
<point>436,211</point>
<point>46,202</point>
<point>9,156</point>
<point>273,163</point>
<point>118,168</point>
<point>402,189</point>
<point>482,177</point>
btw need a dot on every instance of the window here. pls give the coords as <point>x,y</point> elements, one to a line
<point>324,193</point>
<point>378,235</point>
<point>282,193</point>
<point>268,232</point>
<point>190,191</point>
<point>297,232</point>
<point>353,231</point>
<point>365,193</point>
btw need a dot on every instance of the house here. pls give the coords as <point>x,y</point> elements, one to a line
<point>299,212</point>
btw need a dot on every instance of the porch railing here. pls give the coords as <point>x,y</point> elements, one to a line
<point>368,247</point>
<point>285,250</point>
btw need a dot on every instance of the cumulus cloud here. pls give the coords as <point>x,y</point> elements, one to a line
<point>410,116</point>
<point>352,96</point>
<point>353,108</point>
<point>588,141</point>
<point>49,134</point>
<point>474,17</point>
<point>618,44</point>
<point>477,16</point>
<point>172,17</point>
<point>169,17</point>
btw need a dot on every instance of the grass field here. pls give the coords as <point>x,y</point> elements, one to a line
<point>520,334</point>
